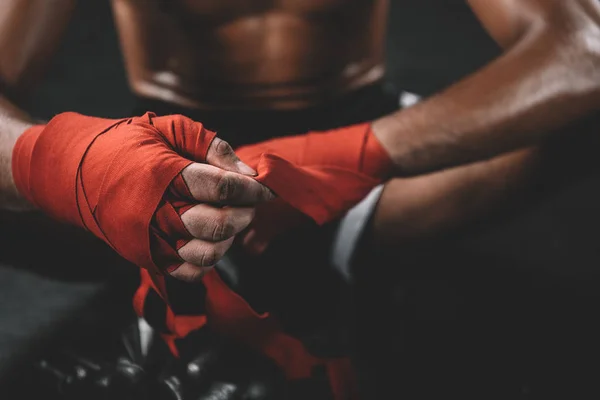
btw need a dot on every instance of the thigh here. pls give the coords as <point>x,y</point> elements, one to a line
<point>498,309</point>
<point>442,322</point>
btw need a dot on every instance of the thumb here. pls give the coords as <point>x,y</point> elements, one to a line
<point>190,138</point>
<point>220,154</point>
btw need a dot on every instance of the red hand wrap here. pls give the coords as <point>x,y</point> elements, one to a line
<point>316,180</point>
<point>338,168</point>
<point>354,148</point>
<point>121,180</point>
<point>111,176</point>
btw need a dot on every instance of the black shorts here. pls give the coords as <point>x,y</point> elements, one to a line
<point>240,127</point>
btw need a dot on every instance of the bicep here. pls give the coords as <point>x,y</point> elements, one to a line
<point>30,31</point>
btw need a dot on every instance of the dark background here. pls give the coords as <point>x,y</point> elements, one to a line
<point>522,292</point>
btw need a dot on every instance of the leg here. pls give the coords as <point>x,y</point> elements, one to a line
<point>452,318</point>
<point>417,311</point>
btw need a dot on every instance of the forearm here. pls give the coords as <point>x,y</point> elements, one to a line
<point>426,206</point>
<point>13,122</point>
<point>547,79</point>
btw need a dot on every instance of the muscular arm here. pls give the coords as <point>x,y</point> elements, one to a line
<point>548,76</point>
<point>30,31</point>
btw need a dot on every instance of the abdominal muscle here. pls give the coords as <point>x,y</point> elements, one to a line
<point>284,54</point>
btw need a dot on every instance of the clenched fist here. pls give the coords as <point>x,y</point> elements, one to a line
<point>164,192</point>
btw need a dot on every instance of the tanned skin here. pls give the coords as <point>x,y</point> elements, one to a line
<point>547,77</point>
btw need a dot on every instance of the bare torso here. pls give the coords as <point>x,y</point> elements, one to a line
<point>251,54</point>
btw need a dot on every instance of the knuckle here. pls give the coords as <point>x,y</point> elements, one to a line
<point>182,273</point>
<point>189,221</point>
<point>222,148</point>
<point>184,277</point>
<point>191,275</point>
<point>210,257</point>
<point>196,275</point>
<point>226,187</point>
<point>223,228</point>
<point>267,193</point>
<point>192,176</point>
<point>245,219</point>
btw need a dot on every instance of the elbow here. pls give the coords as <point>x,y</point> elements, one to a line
<point>578,49</point>
<point>567,39</point>
<point>584,40</point>
<point>574,24</point>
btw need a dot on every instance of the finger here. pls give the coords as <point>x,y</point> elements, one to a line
<point>188,272</point>
<point>209,184</point>
<point>204,254</point>
<point>220,154</point>
<point>216,224</point>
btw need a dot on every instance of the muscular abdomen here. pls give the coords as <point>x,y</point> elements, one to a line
<point>251,54</point>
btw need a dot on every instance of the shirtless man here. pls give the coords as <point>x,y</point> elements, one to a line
<point>268,69</point>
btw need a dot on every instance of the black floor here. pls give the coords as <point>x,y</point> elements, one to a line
<point>521,292</point>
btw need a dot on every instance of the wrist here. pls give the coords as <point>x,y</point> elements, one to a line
<point>11,198</point>
<point>376,160</point>
<point>22,148</point>
<point>395,133</point>
<point>384,130</point>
